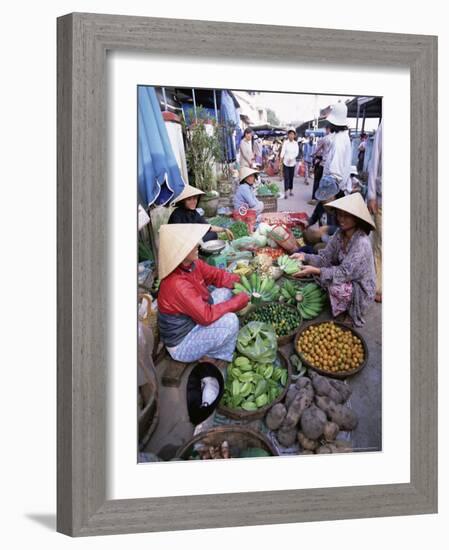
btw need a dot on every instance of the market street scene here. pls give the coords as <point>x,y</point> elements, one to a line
<point>259,274</point>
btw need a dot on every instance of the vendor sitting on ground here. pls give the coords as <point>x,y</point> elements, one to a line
<point>245,196</point>
<point>194,321</point>
<point>185,212</point>
<point>346,266</point>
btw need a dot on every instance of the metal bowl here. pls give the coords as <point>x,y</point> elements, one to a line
<point>212,247</point>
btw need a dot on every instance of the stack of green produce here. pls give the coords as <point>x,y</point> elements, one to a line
<point>296,232</point>
<point>250,385</point>
<point>239,229</point>
<point>289,291</point>
<point>268,189</point>
<point>288,265</point>
<point>221,221</point>
<point>258,342</point>
<point>283,319</point>
<point>311,300</point>
<point>258,289</point>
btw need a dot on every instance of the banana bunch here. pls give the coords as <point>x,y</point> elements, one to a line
<point>289,291</point>
<point>258,289</point>
<point>311,299</point>
<point>242,268</point>
<point>288,265</point>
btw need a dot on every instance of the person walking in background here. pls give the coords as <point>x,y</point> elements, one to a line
<point>308,151</point>
<point>374,198</point>
<point>289,152</point>
<point>247,158</point>
<point>319,160</point>
<point>361,152</point>
<point>338,162</point>
<point>257,148</point>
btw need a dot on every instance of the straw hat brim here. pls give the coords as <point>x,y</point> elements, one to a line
<point>176,241</point>
<point>245,172</point>
<point>354,205</point>
<point>187,192</point>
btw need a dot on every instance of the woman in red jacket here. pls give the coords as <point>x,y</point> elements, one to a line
<point>193,320</point>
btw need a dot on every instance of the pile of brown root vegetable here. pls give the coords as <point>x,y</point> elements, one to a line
<point>313,414</point>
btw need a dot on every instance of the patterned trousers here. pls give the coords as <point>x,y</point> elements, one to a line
<point>216,340</point>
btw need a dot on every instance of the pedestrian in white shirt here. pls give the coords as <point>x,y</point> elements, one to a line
<point>289,152</point>
<point>247,157</point>
<point>339,158</point>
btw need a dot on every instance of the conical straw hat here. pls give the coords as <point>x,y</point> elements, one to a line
<point>176,240</point>
<point>355,205</point>
<point>187,192</point>
<point>245,172</point>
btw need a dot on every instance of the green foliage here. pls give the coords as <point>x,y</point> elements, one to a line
<point>202,150</point>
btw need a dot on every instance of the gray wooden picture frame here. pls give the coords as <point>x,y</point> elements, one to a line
<point>83,41</point>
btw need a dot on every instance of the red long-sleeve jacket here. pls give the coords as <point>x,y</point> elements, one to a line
<point>184,292</point>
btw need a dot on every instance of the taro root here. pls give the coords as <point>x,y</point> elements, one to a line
<point>324,403</point>
<point>286,436</point>
<point>307,444</point>
<point>342,446</point>
<point>303,382</point>
<point>343,389</point>
<point>299,404</point>
<point>322,386</point>
<point>324,450</point>
<point>313,421</point>
<point>343,416</point>
<point>330,431</point>
<point>275,416</point>
<point>291,394</point>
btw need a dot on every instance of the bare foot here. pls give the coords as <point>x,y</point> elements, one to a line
<point>378,297</point>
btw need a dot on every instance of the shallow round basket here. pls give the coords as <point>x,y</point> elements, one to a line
<point>340,374</point>
<point>240,414</point>
<point>212,247</point>
<point>282,340</point>
<point>238,437</point>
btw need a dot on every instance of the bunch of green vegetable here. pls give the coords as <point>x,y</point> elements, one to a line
<point>258,342</point>
<point>288,265</point>
<point>253,385</point>
<point>259,289</point>
<point>309,299</point>
<point>221,221</point>
<point>283,319</point>
<point>289,291</point>
<point>296,232</point>
<point>239,229</point>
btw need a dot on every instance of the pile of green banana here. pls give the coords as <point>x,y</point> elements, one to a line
<point>258,289</point>
<point>311,300</point>
<point>289,291</point>
<point>251,386</point>
<point>288,265</point>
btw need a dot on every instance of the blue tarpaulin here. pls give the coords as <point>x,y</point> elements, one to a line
<point>229,119</point>
<point>159,176</point>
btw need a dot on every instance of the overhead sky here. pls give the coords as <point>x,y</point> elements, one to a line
<point>297,107</point>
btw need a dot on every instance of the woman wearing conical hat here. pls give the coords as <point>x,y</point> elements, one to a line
<point>185,212</point>
<point>245,195</point>
<point>193,321</point>
<point>346,266</point>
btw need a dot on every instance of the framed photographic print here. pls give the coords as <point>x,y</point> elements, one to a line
<point>195,170</point>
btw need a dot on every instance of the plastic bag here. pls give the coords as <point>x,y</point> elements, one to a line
<point>258,342</point>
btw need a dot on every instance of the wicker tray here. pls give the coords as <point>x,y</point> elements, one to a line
<point>238,437</point>
<point>342,374</point>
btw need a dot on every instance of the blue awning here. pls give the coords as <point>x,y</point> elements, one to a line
<point>159,176</point>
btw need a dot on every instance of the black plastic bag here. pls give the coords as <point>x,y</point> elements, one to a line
<point>197,411</point>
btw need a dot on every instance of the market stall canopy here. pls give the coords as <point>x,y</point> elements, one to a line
<point>367,107</point>
<point>268,130</point>
<point>159,176</point>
